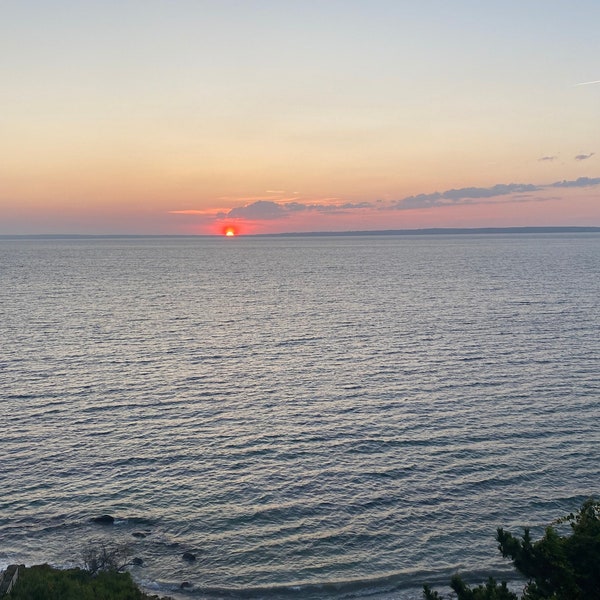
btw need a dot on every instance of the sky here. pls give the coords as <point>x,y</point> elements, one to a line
<point>269,116</point>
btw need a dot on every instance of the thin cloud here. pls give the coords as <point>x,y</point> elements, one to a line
<point>587,83</point>
<point>500,189</point>
<point>463,195</point>
<point>473,194</point>
<point>420,201</point>
<point>547,158</point>
<point>259,210</point>
<point>577,183</point>
<point>269,210</point>
<point>584,156</point>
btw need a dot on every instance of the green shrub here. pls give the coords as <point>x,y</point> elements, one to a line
<point>42,582</point>
<point>490,591</point>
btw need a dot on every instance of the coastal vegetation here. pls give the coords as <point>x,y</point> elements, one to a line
<point>556,567</point>
<point>43,582</point>
<point>102,578</point>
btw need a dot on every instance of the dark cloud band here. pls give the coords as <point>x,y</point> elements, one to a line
<point>522,192</point>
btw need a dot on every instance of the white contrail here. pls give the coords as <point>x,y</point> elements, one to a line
<point>587,83</point>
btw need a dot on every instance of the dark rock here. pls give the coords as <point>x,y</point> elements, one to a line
<point>185,585</point>
<point>189,556</point>
<point>137,561</point>
<point>104,520</point>
<point>138,534</point>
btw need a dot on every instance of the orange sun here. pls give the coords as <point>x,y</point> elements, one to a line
<point>229,231</point>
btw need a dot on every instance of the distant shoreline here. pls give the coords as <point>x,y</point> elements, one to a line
<point>412,232</point>
<point>442,231</point>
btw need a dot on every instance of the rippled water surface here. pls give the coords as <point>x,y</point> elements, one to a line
<point>314,417</point>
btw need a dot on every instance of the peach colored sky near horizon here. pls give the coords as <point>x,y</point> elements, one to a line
<point>271,116</point>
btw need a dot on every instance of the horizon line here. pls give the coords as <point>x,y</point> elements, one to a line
<point>417,231</point>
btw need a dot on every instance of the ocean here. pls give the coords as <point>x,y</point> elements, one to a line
<point>311,417</point>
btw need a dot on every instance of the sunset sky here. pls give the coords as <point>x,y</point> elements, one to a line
<point>188,116</point>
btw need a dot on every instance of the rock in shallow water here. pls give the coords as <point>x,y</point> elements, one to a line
<point>104,520</point>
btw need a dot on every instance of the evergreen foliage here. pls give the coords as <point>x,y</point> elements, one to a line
<point>490,591</point>
<point>557,567</point>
